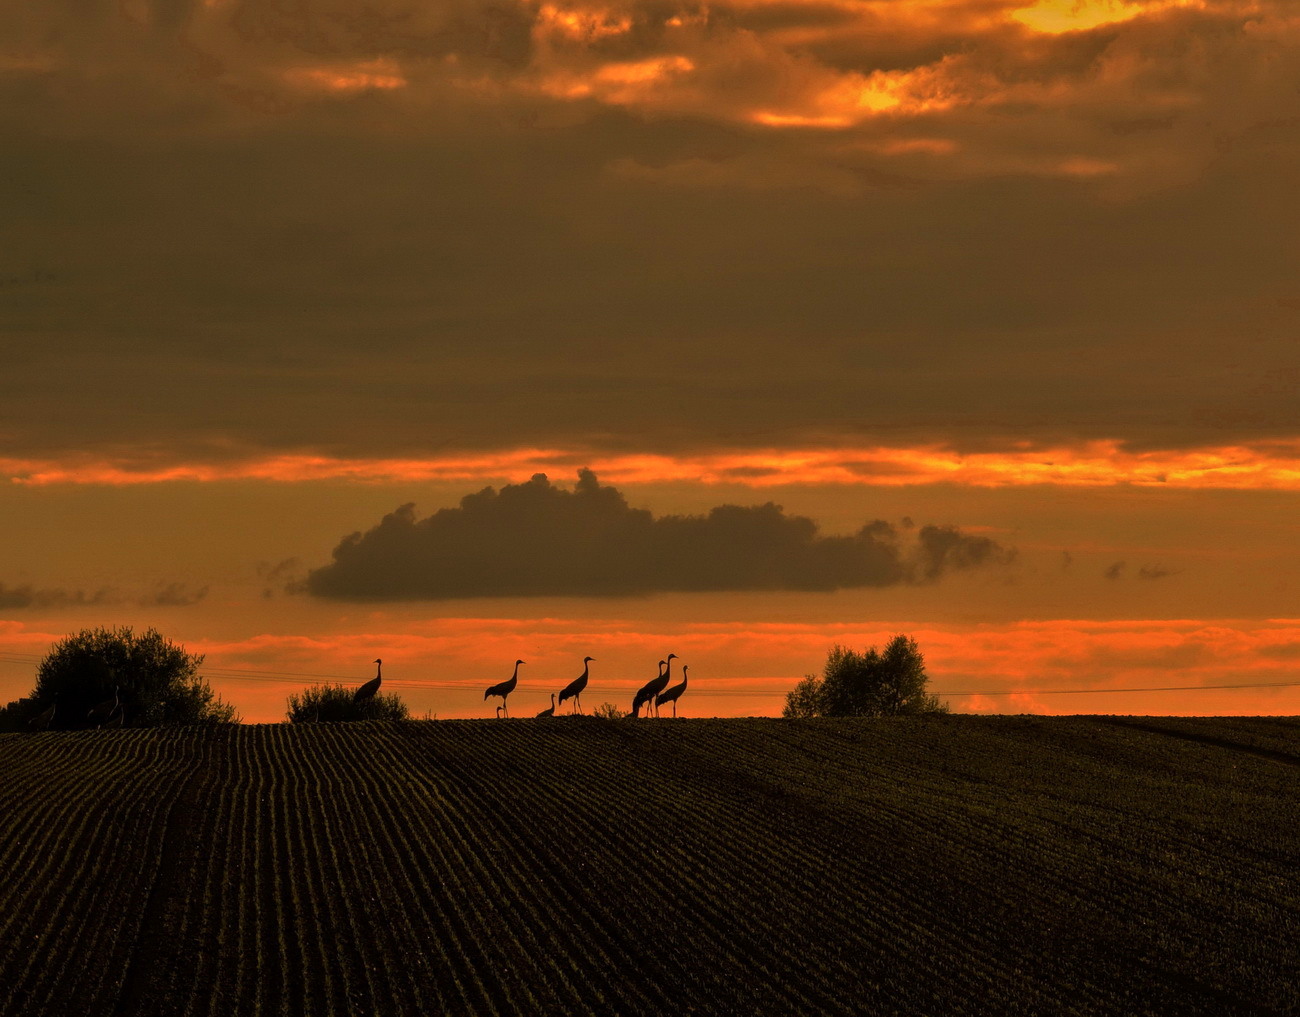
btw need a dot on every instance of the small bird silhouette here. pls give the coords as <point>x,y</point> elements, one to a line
<point>550,710</point>
<point>368,690</point>
<point>574,689</point>
<point>504,688</point>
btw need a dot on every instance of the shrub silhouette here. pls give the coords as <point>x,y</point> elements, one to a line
<point>156,681</point>
<point>867,684</point>
<point>329,703</point>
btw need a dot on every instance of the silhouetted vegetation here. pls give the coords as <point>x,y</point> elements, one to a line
<point>114,676</point>
<point>867,684</point>
<point>608,711</point>
<point>18,714</point>
<point>330,703</point>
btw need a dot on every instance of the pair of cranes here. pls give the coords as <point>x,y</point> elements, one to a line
<point>108,713</point>
<point>571,691</point>
<point>656,692</point>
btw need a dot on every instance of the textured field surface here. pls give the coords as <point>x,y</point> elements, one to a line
<point>946,866</point>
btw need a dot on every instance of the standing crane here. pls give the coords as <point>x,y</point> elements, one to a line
<point>646,693</point>
<point>550,710</point>
<point>574,689</point>
<point>657,686</point>
<point>504,688</point>
<point>42,720</point>
<point>368,690</point>
<point>673,694</point>
<point>101,711</point>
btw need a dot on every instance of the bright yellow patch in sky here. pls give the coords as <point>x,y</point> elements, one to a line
<point>1057,16</point>
<point>585,25</point>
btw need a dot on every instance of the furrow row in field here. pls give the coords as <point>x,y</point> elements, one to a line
<point>989,838</point>
<point>990,909</point>
<point>519,955</point>
<point>373,944</point>
<point>718,930</point>
<point>545,983</point>
<point>303,929</point>
<point>1143,878</point>
<point>792,874</point>
<point>92,894</point>
<point>480,772</point>
<point>381,878</point>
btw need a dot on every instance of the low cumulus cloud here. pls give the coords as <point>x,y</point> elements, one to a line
<point>536,539</point>
<point>19,598</point>
<point>1149,572</point>
<point>28,596</point>
<point>174,595</point>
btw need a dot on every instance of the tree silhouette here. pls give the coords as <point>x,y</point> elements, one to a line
<point>870,683</point>
<point>157,682</point>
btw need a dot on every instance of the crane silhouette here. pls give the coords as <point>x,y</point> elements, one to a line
<point>646,693</point>
<point>42,720</point>
<point>368,690</point>
<point>574,689</point>
<point>673,694</point>
<point>499,709</point>
<point>657,686</point>
<point>101,711</point>
<point>506,687</point>
<point>550,710</point>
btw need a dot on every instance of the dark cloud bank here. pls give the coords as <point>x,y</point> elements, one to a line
<point>535,539</point>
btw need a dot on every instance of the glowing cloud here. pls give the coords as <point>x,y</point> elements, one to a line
<point>1271,466</point>
<point>369,75</point>
<point>1056,16</point>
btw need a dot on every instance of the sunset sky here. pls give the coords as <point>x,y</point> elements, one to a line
<point>999,302</point>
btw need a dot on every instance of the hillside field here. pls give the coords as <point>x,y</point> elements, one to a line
<point>931,866</point>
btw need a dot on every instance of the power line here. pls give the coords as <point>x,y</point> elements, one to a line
<point>1154,688</point>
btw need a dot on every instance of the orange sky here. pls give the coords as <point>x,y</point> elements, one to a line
<point>995,299</point>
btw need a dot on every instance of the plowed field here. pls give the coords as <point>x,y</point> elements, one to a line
<point>945,866</point>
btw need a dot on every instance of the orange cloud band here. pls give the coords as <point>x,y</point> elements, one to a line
<point>1264,466</point>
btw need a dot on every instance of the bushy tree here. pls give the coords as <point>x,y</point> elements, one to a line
<point>157,682</point>
<point>326,703</point>
<point>871,683</point>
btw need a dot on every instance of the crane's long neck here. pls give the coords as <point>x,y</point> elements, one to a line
<point>515,677</point>
<point>379,669</point>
